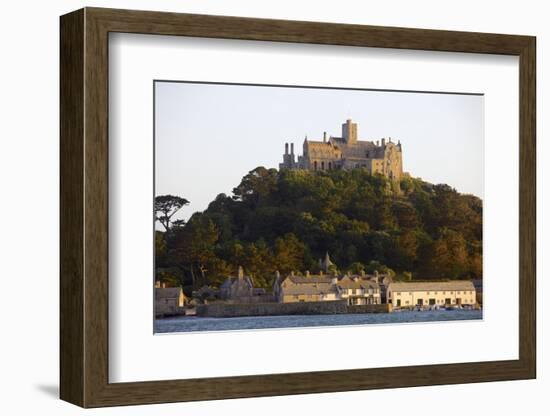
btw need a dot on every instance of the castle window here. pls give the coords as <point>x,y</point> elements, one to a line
<point>322,165</point>
<point>315,165</point>
<point>329,165</point>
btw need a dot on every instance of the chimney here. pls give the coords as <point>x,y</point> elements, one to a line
<point>334,280</point>
<point>286,148</point>
<point>383,142</point>
<point>324,137</point>
<point>163,285</point>
<point>307,273</point>
<point>291,148</point>
<point>241,273</point>
<point>157,284</point>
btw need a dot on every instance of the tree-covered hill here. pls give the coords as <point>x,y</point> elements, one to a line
<point>286,220</point>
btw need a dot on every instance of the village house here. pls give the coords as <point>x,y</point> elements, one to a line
<point>426,293</point>
<point>478,284</point>
<point>168,300</point>
<point>308,288</point>
<point>241,288</point>
<point>355,289</point>
<point>206,293</point>
<point>359,290</point>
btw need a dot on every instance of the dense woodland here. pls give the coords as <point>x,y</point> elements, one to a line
<point>286,220</point>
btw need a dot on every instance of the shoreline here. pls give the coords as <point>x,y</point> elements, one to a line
<point>194,324</point>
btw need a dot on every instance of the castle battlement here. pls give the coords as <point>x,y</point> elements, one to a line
<point>347,152</point>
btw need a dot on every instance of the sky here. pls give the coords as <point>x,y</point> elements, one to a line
<point>208,136</point>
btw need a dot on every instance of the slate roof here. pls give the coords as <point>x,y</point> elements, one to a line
<point>431,286</point>
<point>357,283</point>
<point>311,289</point>
<point>310,279</point>
<point>167,292</point>
<point>246,281</point>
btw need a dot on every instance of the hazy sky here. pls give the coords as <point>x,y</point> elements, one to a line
<point>208,136</point>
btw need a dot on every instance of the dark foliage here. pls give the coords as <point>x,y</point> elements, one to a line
<point>287,220</point>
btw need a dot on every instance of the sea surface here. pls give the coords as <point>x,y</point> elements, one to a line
<point>194,324</point>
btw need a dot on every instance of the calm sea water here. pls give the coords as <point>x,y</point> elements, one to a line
<point>193,324</point>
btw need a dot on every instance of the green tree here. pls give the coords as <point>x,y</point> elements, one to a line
<point>356,268</point>
<point>289,253</point>
<point>195,246</point>
<point>287,220</point>
<point>165,208</point>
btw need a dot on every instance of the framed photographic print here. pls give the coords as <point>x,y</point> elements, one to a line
<point>262,195</point>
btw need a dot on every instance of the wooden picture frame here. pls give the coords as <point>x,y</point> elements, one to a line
<point>84,207</point>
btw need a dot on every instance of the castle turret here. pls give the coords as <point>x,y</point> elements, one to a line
<point>349,131</point>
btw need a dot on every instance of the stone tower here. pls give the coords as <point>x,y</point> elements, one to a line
<point>349,132</point>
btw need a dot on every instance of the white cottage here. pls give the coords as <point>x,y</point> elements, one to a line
<point>426,293</point>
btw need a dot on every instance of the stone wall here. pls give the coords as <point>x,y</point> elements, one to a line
<point>380,308</point>
<point>267,298</point>
<point>168,310</point>
<point>219,310</point>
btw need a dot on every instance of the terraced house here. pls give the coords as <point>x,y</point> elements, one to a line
<point>449,293</point>
<point>358,290</point>
<point>355,289</point>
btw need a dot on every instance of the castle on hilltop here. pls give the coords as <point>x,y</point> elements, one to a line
<point>347,152</point>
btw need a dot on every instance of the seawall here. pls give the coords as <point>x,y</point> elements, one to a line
<point>225,310</point>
